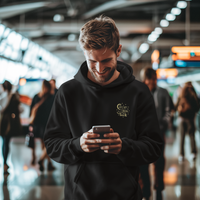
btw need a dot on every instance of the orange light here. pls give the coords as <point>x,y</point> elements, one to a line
<point>22,81</point>
<point>155,56</point>
<point>184,53</point>
<point>25,167</point>
<point>185,49</point>
<point>171,176</point>
<point>166,73</point>
<point>179,57</point>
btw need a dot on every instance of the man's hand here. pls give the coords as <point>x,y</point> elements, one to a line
<point>114,141</point>
<point>88,142</point>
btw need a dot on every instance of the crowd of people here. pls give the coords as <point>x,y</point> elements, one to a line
<point>10,124</point>
<point>187,107</point>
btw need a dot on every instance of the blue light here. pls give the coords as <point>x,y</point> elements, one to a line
<point>180,63</point>
<point>171,80</point>
<point>192,53</point>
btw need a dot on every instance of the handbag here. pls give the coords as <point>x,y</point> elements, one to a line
<point>29,140</point>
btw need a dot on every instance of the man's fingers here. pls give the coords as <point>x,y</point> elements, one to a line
<point>107,147</point>
<point>111,135</point>
<point>90,149</point>
<point>90,135</point>
<point>87,141</point>
<point>90,146</point>
<point>112,140</point>
<point>113,151</point>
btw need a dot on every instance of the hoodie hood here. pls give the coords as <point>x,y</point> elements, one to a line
<point>126,76</point>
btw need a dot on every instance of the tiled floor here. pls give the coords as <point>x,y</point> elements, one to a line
<point>25,182</point>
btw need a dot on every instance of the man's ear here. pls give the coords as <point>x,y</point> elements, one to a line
<point>119,50</point>
<point>145,81</point>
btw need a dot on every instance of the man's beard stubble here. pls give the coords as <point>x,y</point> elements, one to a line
<point>107,78</point>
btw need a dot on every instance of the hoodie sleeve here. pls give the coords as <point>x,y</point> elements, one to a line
<point>165,120</point>
<point>59,143</point>
<point>147,148</point>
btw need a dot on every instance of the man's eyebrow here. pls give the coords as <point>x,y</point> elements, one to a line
<point>107,59</point>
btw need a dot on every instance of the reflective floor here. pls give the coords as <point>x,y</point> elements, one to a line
<point>25,182</point>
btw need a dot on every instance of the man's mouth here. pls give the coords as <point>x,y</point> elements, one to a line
<point>102,73</point>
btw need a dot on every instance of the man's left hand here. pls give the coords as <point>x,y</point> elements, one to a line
<point>114,141</point>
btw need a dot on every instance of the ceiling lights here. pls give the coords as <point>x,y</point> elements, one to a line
<point>58,18</point>
<point>152,37</point>
<point>71,37</point>
<point>158,30</point>
<point>144,48</point>
<point>164,23</point>
<point>170,17</point>
<point>176,11</point>
<point>182,4</point>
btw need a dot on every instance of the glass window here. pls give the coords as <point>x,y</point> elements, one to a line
<point>24,44</point>
<point>6,33</point>
<point>8,52</point>
<point>2,28</point>
<point>14,39</point>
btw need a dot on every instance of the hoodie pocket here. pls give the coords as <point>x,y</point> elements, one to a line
<point>100,181</point>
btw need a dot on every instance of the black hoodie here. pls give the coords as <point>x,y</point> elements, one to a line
<point>128,107</point>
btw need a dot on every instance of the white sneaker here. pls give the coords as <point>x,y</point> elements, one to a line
<point>180,159</point>
<point>192,156</point>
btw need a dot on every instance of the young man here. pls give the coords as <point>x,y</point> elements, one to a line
<point>164,105</point>
<point>103,92</point>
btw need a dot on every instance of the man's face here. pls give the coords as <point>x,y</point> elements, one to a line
<point>151,83</point>
<point>102,64</point>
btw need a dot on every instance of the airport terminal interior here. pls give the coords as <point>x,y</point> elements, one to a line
<point>39,41</point>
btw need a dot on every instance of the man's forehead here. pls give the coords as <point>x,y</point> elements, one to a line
<point>100,51</point>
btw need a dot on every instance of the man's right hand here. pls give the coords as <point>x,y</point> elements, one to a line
<point>88,142</point>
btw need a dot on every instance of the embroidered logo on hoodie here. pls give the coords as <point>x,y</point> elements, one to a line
<point>122,110</point>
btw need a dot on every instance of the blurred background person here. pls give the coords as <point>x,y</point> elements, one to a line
<point>9,119</point>
<point>164,105</point>
<point>54,90</point>
<point>39,113</point>
<point>187,107</point>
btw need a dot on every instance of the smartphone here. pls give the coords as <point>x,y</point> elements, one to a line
<point>101,130</point>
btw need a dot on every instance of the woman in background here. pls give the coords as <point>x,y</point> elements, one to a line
<point>9,119</point>
<point>40,109</point>
<point>187,107</point>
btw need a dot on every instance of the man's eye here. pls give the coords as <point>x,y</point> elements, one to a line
<point>105,61</point>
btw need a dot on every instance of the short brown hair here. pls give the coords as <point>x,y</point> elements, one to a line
<point>149,73</point>
<point>47,85</point>
<point>99,33</point>
<point>7,86</point>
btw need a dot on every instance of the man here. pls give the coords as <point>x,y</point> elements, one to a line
<point>54,90</point>
<point>164,105</point>
<point>103,92</point>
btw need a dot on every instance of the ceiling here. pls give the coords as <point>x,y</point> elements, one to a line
<point>135,19</point>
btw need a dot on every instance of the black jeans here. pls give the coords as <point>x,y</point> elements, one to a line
<point>5,147</point>
<point>159,166</point>
<point>187,126</point>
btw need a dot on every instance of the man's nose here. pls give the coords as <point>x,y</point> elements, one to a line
<point>99,67</point>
